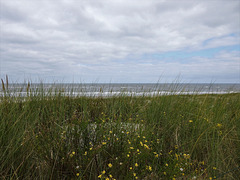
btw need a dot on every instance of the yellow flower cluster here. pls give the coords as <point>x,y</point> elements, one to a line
<point>149,168</point>
<point>103,175</point>
<point>139,155</point>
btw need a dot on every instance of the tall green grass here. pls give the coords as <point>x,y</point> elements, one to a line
<point>47,135</point>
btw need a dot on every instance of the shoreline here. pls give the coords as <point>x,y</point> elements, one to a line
<point>113,94</point>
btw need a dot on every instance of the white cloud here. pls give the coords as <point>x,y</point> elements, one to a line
<point>222,41</point>
<point>94,38</point>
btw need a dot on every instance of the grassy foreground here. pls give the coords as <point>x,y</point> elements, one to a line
<point>52,136</point>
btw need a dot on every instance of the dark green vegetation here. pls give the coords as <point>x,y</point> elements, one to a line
<point>53,136</point>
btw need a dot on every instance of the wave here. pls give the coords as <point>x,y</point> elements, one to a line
<point>114,93</point>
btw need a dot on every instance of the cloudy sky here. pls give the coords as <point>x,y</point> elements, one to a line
<point>120,40</point>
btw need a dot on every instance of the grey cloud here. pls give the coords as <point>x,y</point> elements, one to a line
<point>11,13</point>
<point>72,36</point>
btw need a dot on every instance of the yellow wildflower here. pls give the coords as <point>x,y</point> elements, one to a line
<point>187,156</point>
<point>110,165</point>
<point>150,168</point>
<point>219,125</point>
<point>190,121</point>
<point>176,156</point>
<point>136,164</point>
<point>146,146</point>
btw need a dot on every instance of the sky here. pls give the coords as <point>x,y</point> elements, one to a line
<point>120,41</point>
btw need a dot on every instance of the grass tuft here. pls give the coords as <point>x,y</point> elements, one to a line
<point>48,135</point>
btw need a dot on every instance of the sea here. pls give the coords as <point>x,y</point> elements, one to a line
<point>117,89</point>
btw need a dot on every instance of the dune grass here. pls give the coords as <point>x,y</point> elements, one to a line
<point>52,136</point>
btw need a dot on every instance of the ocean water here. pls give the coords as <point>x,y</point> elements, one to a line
<point>130,89</point>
